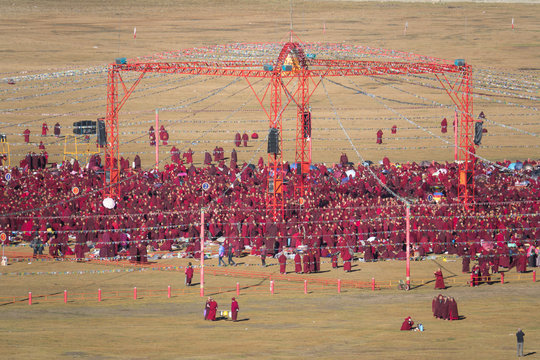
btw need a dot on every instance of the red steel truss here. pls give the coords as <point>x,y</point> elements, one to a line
<point>293,69</point>
<point>460,91</point>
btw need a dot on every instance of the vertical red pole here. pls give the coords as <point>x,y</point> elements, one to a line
<point>272,287</point>
<point>65,296</point>
<point>502,278</point>
<point>305,286</point>
<point>99,295</point>
<point>408,238</point>
<point>372,284</point>
<point>237,289</point>
<point>455,136</point>
<point>157,140</point>
<point>202,252</point>
<point>534,276</point>
<point>29,298</point>
<point>472,280</point>
<point>169,292</point>
<point>339,286</point>
<point>135,293</point>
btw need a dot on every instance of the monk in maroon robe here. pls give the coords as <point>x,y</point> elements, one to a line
<point>305,259</point>
<point>297,263</point>
<point>453,313</point>
<point>346,256</point>
<point>207,158</point>
<point>439,279</point>
<point>379,136</point>
<point>234,310</point>
<point>282,259</point>
<point>44,129</point>
<point>237,140</point>
<point>212,310</point>
<point>189,274</point>
<point>444,126</point>
<point>394,129</point>
<point>26,134</point>
<point>465,263</point>
<point>188,155</point>
<point>407,324</point>
<point>245,138</point>
<point>57,130</point>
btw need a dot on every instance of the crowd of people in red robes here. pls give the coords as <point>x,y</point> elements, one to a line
<point>348,213</point>
<point>444,308</point>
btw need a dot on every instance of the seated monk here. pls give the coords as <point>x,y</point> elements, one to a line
<point>407,324</point>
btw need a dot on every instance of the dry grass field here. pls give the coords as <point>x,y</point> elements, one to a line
<point>50,37</point>
<point>358,323</point>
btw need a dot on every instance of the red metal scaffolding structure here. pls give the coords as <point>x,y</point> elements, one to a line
<point>296,74</point>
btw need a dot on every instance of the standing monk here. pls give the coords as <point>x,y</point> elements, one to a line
<point>282,263</point>
<point>237,140</point>
<point>297,263</point>
<point>234,310</point>
<point>57,130</point>
<point>245,139</point>
<point>394,129</point>
<point>212,310</point>
<point>189,274</point>
<point>379,136</point>
<point>44,129</point>
<point>444,126</point>
<point>439,279</point>
<point>26,134</point>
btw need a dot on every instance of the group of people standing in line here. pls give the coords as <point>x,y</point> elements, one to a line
<point>445,308</point>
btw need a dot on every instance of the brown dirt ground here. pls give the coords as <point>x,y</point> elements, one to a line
<point>57,35</point>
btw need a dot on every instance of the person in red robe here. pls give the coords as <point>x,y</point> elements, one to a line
<point>188,155</point>
<point>346,256</point>
<point>44,129</point>
<point>282,263</point>
<point>453,313</point>
<point>234,310</point>
<point>343,159</point>
<point>245,138</point>
<point>213,306</point>
<point>237,140</point>
<point>379,136</point>
<point>394,129</point>
<point>407,323</point>
<point>465,264</point>
<point>297,263</point>
<point>41,146</point>
<point>26,134</point>
<point>334,260</point>
<point>444,126</point>
<point>152,136</point>
<point>207,158</point>
<point>164,135</point>
<point>189,274</point>
<point>57,130</point>
<point>305,259</point>
<point>439,279</point>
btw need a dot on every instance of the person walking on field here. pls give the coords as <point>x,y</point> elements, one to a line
<point>221,254</point>
<point>519,335</point>
<point>230,254</point>
<point>234,310</point>
<point>189,274</point>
